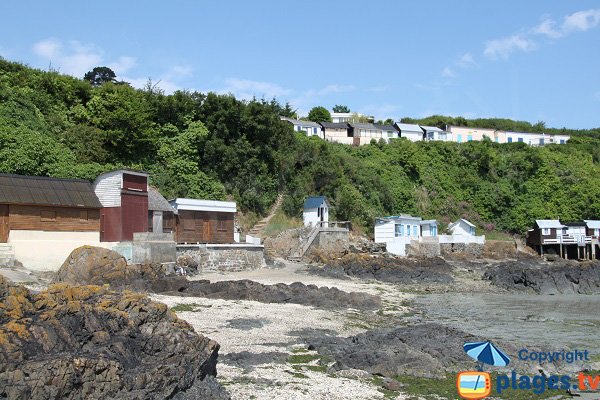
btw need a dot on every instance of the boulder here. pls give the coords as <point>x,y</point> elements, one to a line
<point>89,342</point>
<point>88,265</point>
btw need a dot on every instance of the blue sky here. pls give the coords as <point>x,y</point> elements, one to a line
<point>527,60</point>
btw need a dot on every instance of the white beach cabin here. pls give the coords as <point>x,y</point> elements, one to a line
<point>316,210</point>
<point>397,232</point>
<point>462,227</point>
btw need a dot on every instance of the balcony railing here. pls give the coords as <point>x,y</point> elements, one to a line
<point>580,240</point>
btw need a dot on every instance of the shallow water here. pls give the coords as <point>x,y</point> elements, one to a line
<point>553,322</point>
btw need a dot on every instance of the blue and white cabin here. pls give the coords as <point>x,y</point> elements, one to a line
<point>308,127</point>
<point>400,230</point>
<point>316,210</point>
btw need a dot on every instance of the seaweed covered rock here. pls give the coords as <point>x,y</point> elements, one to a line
<point>388,269</point>
<point>89,342</point>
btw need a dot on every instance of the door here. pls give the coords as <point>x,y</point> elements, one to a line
<point>157,222</point>
<point>206,231</point>
<point>4,227</point>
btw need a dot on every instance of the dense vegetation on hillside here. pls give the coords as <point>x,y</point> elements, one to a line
<point>215,146</point>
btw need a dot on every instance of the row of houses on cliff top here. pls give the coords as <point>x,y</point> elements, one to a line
<point>360,133</point>
<point>43,219</point>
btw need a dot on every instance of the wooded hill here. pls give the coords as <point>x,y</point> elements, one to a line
<point>215,146</point>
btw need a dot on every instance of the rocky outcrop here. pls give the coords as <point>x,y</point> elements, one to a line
<point>388,269</point>
<point>538,277</point>
<point>89,342</point>
<point>426,350</point>
<point>297,293</point>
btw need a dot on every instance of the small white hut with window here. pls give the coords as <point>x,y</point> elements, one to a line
<point>316,210</point>
<point>462,227</point>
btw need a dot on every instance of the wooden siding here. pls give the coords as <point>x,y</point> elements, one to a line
<point>135,182</point>
<point>4,223</point>
<point>48,218</point>
<point>110,224</point>
<point>108,189</point>
<point>204,227</point>
<point>134,214</point>
<point>168,221</point>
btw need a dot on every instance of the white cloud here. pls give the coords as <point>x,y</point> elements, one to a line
<point>247,89</point>
<point>547,27</point>
<point>329,89</point>
<point>502,48</point>
<point>466,61</point>
<point>181,70</point>
<point>48,48</point>
<point>448,73</point>
<point>122,65</point>
<point>581,21</point>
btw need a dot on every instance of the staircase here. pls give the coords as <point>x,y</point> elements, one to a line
<point>299,253</point>
<point>7,255</point>
<point>257,229</point>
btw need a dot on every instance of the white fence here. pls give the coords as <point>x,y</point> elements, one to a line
<point>461,239</point>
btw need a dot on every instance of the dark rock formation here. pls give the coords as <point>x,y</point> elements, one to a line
<point>388,269</point>
<point>88,342</point>
<point>297,293</point>
<point>426,350</point>
<point>538,277</point>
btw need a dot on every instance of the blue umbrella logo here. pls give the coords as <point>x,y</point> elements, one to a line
<point>486,353</point>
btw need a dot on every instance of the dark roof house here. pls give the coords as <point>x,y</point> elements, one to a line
<point>38,190</point>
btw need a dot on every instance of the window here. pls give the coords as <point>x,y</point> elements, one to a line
<point>189,223</point>
<point>509,140</point>
<point>546,231</point>
<point>398,230</point>
<point>596,232</point>
<point>469,138</point>
<point>407,230</point>
<point>319,212</point>
<point>433,230</point>
<point>497,139</point>
<point>83,215</point>
<point>541,142</point>
<point>415,231</point>
<point>221,223</point>
<point>562,141</point>
<point>472,230</point>
<point>442,136</point>
<point>459,138</point>
<point>48,216</point>
<point>520,140</point>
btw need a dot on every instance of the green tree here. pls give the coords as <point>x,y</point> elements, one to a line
<point>341,109</point>
<point>319,114</point>
<point>99,76</point>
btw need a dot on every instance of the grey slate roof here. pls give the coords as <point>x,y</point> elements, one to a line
<point>334,125</point>
<point>385,127</point>
<point>44,191</point>
<point>314,202</point>
<point>156,202</point>
<point>362,125</point>
<point>301,123</point>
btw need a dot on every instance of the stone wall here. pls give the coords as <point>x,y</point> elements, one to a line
<point>331,242</point>
<point>423,249</point>
<point>221,258</point>
<point>473,249</point>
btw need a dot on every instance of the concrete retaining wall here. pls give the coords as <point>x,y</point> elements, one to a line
<point>153,248</point>
<point>221,258</point>
<point>330,242</point>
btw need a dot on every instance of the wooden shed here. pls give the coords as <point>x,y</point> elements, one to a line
<point>204,221</point>
<point>124,198</point>
<point>43,219</point>
<point>161,215</point>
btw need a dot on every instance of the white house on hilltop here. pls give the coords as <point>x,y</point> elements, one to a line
<point>412,132</point>
<point>308,127</point>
